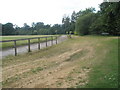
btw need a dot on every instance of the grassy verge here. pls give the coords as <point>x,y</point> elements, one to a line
<point>104,73</point>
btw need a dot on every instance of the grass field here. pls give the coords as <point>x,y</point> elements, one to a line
<point>80,62</point>
<point>19,43</point>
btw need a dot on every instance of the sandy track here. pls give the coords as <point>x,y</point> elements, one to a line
<point>57,71</point>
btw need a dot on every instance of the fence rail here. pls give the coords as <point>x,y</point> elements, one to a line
<point>26,39</point>
<point>29,43</point>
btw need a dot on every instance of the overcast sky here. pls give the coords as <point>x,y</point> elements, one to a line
<point>47,11</point>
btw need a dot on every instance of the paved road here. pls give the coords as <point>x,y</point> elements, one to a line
<point>24,49</point>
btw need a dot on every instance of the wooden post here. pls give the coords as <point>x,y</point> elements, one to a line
<point>28,45</point>
<point>56,39</point>
<point>46,41</point>
<point>51,40</point>
<point>15,47</point>
<point>39,43</point>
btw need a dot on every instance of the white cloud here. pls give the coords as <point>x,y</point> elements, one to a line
<point>47,11</point>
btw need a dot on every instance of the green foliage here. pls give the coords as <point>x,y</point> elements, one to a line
<point>36,70</point>
<point>35,29</point>
<point>7,29</point>
<point>84,12</point>
<point>98,26</point>
<point>108,20</point>
<point>66,23</point>
<point>83,24</point>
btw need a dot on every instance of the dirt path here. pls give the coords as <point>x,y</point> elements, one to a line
<point>24,49</point>
<point>62,70</point>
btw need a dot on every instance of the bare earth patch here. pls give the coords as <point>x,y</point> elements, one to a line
<point>58,71</point>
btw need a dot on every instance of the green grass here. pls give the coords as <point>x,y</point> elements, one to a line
<point>105,68</point>
<point>103,64</point>
<point>37,69</point>
<point>23,42</point>
<point>104,73</point>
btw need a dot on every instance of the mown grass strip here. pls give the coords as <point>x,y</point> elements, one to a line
<point>104,73</point>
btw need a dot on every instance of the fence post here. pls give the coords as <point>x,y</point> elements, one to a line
<point>46,41</point>
<point>51,40</point>
<point>39,43</point>
<point>15,47</point>
<point>28,45</point>
<point>56,39</point>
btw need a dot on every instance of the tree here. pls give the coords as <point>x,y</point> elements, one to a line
<point>83,24</point>
<point>26,27</point>
<point>58,28</point>
<point>7,29</point>
<point>16,28</point>
<point>97,27</point>
<point>33,25</point>
<point>66,23</point>
<point>0,29</point>
<point>84,12</point>
<point>39,25</point>
<point>73,17</point>
<point>84,20</point>
<point>109,19</point>
<point>73,21</point>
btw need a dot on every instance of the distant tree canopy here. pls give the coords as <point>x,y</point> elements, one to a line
<point>7,29</point>
<point>35,29</point>
<point>84,22</point>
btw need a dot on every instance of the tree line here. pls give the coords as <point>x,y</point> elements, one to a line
<point>84,22</point>
<point>38,28</point>
<point>107,20</point>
